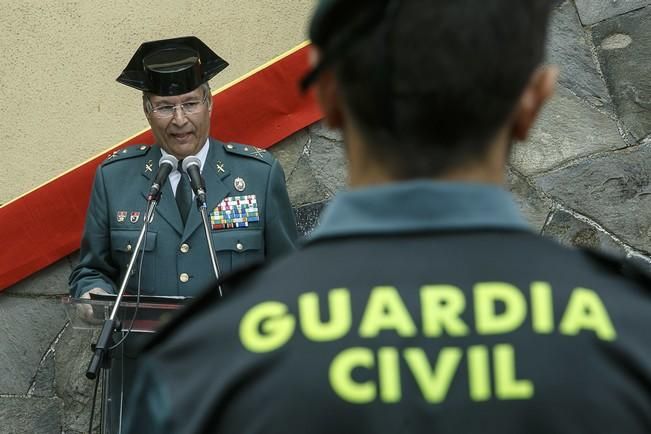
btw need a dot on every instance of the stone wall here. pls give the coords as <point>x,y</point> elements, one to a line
<point>583,178</point>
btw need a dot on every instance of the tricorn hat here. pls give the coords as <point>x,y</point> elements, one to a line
<point>172,66</point>
<point>337,25</point>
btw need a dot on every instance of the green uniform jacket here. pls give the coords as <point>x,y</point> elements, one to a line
<point>176,260</point>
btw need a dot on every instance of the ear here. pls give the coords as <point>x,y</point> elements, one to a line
<point>540,88</point>
<point>327,94</point>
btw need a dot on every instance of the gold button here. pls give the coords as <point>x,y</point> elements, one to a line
<point>229,146</point>
<point>239,246</point>
<point>184,277</point>
<point>184,248</point>
<point>246,149</point>
<point>129,247</point>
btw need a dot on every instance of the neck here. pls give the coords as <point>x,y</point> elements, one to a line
<point>377,175</point>
<point>491,169</point>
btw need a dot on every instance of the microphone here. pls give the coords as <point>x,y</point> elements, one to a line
<point>166,164</point>
<point>192,166</point>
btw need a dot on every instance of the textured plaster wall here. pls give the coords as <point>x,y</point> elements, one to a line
<point>59,102</point>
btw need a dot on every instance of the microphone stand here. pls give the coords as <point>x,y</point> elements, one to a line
<point>201,206</point>
<point>100,358</point>
<point>192,167</point>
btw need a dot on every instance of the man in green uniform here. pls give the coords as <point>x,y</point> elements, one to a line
<point>422,303</point>
<point>250,214</point>
<point>173,75</point>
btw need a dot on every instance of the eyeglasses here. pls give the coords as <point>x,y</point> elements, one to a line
<point>188,108</point>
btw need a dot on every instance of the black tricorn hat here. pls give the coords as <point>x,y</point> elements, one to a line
<point>172,66</point>
<point>336,26</point>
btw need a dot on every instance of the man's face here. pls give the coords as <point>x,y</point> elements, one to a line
<point>181,134</point>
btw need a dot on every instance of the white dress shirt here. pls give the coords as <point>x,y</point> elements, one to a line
<point>175,175</point>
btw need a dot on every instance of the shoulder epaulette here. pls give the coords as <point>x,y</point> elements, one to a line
<point>125,153</point>
<point>621,266</point>
<point>249,151</point>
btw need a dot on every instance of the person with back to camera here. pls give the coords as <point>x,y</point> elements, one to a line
<point>422,303</point>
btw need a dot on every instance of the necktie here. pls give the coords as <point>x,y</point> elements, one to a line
<point>183,195</point>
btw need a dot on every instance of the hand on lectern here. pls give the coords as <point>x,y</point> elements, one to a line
<point>86,310</point>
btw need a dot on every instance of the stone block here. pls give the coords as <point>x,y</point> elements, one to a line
<point>570,231</point>
<point>327,159</point>
<point>75,390</point>
<point>30,415</point>
<point>533,205</point>
<point>593,11</point>
<point>307,217</point>
<point>52,280</point>
<point>303,186</point>
<point>613,189</point>
<point>569,47</point>
<point>27,330</point>
<point>319,129</point>
<point>290,150</point>
<point>624,48</point>
<point>568,128</point>
<point>43,385</point>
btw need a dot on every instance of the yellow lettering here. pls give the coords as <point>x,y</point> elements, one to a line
<point>386,311</point>
<point>339,315</point>
<point>487,320</point>
<point>506,385</point>
<point>389,374</point>
<point>442,306</point>
<point>586,311</point>
<point>341,379</point>
<point>266,327</point>
<point>434,385</point>
<point>479,373</point>
<point>542,308</point>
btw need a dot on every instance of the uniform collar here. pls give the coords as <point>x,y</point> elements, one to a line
<point>417,206</point>
<point>202,154</point>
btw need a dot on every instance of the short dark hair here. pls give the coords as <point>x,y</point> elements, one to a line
<point>432,83</point>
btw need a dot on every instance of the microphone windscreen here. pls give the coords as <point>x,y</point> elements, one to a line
<point>168,159</point>
<point>192,160</point>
